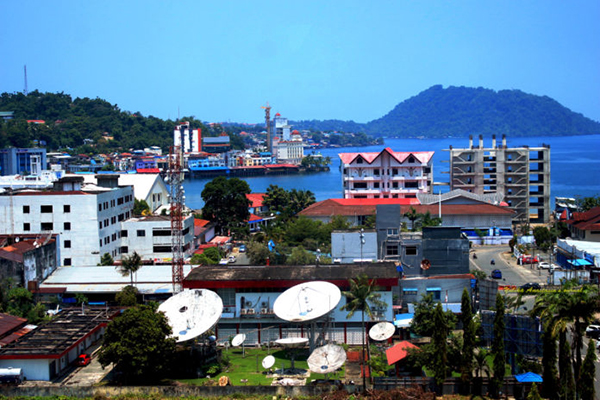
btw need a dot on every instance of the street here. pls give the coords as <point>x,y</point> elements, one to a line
<point>512,273</point>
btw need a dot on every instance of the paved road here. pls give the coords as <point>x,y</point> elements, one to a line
<point>512,274</point>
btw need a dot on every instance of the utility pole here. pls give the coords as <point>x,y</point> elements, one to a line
<point>267,109</point>
<point>25,91</point>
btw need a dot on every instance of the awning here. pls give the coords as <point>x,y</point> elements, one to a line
<point>409,289</point>
<point>434,289</point>
<point>580,262</point>
<point>528,377</point>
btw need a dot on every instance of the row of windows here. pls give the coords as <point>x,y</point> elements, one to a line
<point>46,226</point>
<point>113,220</point>
<point>376,185</point>
<point>47,209</point>
<point>113,203</point>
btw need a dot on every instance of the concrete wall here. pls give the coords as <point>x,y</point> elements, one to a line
<point>33,370</point>
<point>346,246</point>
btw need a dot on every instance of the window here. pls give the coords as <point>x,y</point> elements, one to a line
<point>391,250</point>
<point>161,232</point>
<point>26,227</point>
<point>100,225</point>
<point>67,244</point>
<point>410,250</point>
<point>114,237</point>
<point>410,291</point>
<point>395,185</point>
<point>47,226</point>
<point>46,209</point>
<point>359,160</point>
<point>376,185</point>
<point>67,226</point>
<point>376,172</point>
<point>123,233</point>
<point>120,200</point>
<point>100,242</point>
<point>67,208</point>
<point>360,185</point>
<point>436,291</point>
<point>185,231</point>
<point>67,261</point>
<point>141,232</point>
<point>113,220</point>
<point>394,171</point>
<point>162,249</point>
<point>412,185</point>
<point>392,231</point>
<point>25,209</point>
<point>124,249</point>
<point>99,207</point>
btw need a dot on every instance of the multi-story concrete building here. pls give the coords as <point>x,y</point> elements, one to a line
<point>189,140</point>
<point>86,218</point>
<point>15,161</point>
<point>290,151</point>
<point>387,174</point>
<point>522,174</point>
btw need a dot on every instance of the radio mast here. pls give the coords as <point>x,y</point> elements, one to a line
<point>176,189</point>
<point>25,91</point>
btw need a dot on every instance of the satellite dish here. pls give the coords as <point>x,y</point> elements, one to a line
<point>382,331</point>
<point>292,342</point>
<point>307,301</point>
<point>238,339</point>
<point>192,312</point>
<point>268,362</point>
<point>326,359</point>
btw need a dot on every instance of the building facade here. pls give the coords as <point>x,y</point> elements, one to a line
<point>387,174</point>
<point>15,161</point>
<point>86,218</point>
<point>522,174</point>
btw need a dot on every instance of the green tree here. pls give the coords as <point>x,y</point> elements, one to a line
<point>19,302</point>
<point>226,204</point>
<point>422,323</point>
<point>413,216</point>
<point>137,344</point>
<point>587,203</point>
<point>499,364</point>
<point>127,297</point>
<point>130,265</point>
<point>588,372</point>
<point>469,337</point>
<point>106,259</point>
<point>276,199</point>
<point>258,253</point>
<point>533,393</point>
<point>565,368</point>
<point>439,342</point>
<point>300,199</point>
<point>140,207</point>
<point>543,237</point>
<point>300,256</point>
<point>481,364</point>
<point>549,360</point>
<point>362,294</point>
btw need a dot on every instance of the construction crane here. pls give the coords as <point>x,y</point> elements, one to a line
<point>176,192</point>
<point>267,109</point>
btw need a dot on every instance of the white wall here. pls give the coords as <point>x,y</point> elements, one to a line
<point>33,370</point>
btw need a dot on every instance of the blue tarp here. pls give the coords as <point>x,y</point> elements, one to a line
<point>580,262</point>
<point>528,377</point>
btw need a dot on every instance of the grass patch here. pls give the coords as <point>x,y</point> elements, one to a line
<point>248,367</point>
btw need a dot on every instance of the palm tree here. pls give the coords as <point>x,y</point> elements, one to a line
<point>413,216</point>
<point>481,363</point>
<point>130,265</point>
<point>360,297</point>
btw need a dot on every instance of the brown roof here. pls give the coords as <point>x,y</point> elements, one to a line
<point>9,323</point>
<point>586,221</point>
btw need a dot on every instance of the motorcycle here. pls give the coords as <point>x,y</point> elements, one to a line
<point>474,256</point>
<point>493,262</point>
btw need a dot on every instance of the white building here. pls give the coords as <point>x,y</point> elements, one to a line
<point>189,140</point>
<point>290,151</point>
<point>87,218</point>
<point>148,187</point>
<point>387,174</point>
<point>151,238</point>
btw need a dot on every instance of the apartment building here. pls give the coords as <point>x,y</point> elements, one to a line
<point>522,174</point>
<point>387,174</point>
<point>86,218</point>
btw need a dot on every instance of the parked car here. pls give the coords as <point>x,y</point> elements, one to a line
<point>544,265</point>
<point>592,331</point>
<point>530,286</point>
<point>231,259</point>
<point>497,274</point>
<point>528,259</point>
<point>242,248</point>
<point>83,359</point>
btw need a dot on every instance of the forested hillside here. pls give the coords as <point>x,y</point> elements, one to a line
<point>460,111</point>
<point>68,122</point>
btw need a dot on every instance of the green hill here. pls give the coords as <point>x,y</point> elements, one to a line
<point>460,111</point>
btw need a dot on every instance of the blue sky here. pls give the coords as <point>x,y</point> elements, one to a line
<point>349,60</point>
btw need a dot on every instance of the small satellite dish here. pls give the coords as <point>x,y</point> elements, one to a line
<point>268,362</point>
<point>307,301</point>
<point>192,312</point>
<point>292,342</point>
<point>238,339</point>
<point>326,359</point>
<point>382,331</point>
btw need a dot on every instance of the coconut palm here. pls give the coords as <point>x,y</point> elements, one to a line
<point>130,265</point>
<point>361,296</point>
<point>481,364</point>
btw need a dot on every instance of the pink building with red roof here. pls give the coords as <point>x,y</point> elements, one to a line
<point>387,174</point>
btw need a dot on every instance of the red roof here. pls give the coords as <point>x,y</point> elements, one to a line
<point>398,352</point>
<point>201,222</point>
<point>220,240</point>
<point>421,156</point>
<point>586,221</point>
<point>148,170</point>
<point>9,323</point>
<point>256,199</point>
<point>254,218</point>
<point>281,166</point>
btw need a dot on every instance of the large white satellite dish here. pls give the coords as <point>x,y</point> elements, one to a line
<point>382,331</point>
<point>292,342</point>
<point>238,339</point>
<point>326,359</point>
<point>307,301</point>
<point>192,312</point>
<point>268,362</point>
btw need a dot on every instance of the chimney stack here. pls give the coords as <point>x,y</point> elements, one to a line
<point>481,141</point>
<point>504,141</point>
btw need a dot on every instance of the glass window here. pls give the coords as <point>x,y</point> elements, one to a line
<point>67,244</point>
<point>411,250</point>
<point>141,232</point>
<point>67,226</point>
<point>67,208</point>
<point>25,209</point>
<point>67,261</point>
<point>123,233</point>
<point>26,227</point>
<point>46,209</point>
<point>47,226</point>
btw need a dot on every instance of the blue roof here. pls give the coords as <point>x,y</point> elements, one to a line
<point>528,377</point>
<point>580,262</point>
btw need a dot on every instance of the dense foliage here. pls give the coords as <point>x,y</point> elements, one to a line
<point>226,204</point>
<point>69,121</point>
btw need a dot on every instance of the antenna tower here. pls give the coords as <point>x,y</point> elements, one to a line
<point>268,122</point>
<point>176,189</point>
<point>25,91</point>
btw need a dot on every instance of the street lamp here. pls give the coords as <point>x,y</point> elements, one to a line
<point>318,256</point>
<point>362,242</point>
